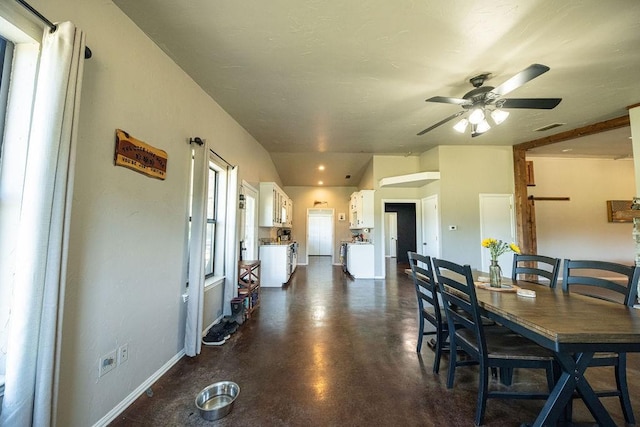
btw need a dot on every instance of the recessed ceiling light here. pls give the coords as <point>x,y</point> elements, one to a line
<point>321,167</point>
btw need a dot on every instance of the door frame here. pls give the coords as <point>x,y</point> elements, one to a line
<point>484,253</point>
<point>332,214</point>
<point>380,255</point>
<point>244,188</point>
<point>423,202</point>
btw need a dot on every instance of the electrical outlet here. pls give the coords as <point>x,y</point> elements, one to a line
<point>108,362</point>
<point>123,353</point>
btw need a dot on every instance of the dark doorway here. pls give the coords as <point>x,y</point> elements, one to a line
<point>406,228</point>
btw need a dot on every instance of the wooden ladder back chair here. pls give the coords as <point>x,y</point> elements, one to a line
<point>612,282</point>
<point>543,267</point>
<point>491,347</point>
<point>429,309</point>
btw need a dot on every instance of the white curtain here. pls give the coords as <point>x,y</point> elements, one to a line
<point>32,367</point>
<point>232,237</point>
<point>193,332</point>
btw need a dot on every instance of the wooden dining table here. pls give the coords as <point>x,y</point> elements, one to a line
<point>571,325</point>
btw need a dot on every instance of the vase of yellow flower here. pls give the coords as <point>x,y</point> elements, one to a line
<point>497,248</point>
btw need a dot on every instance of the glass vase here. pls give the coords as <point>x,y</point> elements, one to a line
<point>495,274</point>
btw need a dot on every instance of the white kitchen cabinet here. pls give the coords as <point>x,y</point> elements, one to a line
<point>361,209</point>
<point>360,260</point>
<point>275,206</point>
<point>277,262</point>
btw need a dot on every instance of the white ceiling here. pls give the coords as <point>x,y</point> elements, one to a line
<point>334,81</point>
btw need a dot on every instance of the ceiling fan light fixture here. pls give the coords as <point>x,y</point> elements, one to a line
<point>461,126</point>
<point>499,116</point>
<point>476,116</point>
<point>482,127</point>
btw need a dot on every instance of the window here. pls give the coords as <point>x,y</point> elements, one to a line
<point>215,226</point>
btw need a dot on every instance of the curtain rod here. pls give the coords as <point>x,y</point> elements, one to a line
<point>222,158</point>
<point>51,25</point>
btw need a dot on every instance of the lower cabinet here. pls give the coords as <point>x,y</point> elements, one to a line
<point>360,260</point>
<point>276,264</point>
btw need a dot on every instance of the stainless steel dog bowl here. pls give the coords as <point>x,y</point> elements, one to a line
<point>216,400</point>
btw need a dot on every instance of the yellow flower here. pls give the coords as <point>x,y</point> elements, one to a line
<point>488,242</point>
<point>515,248</point>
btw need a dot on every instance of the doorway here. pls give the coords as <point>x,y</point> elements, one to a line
<point>406,229</point>
<point>320,232</point>
<point>249,218</point>
<point>497,222</point>
<point>430,227</point>
<point>391,234</point>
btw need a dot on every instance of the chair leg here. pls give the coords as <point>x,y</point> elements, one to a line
<point>506,376</point>
<point>420,335</point>
<point>440,342</point>
<point>483,389</point>
<point>453,359</point>
<point>621,382</point>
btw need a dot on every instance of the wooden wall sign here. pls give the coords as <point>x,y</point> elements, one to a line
<point>134,154</point>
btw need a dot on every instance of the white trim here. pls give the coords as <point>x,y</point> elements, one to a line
<point>124,404</point>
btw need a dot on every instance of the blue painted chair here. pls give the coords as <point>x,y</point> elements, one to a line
<point>612,282</point>
<point>429,309</point>
<point>544,268</point>
<point>491,347</point>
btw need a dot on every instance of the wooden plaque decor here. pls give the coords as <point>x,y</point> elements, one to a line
<point>134,154</point>
<point>620,211</point>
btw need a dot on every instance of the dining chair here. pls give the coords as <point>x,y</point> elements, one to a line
<point>492,347</point>
<point>544,268</point>
<point>429,309</point>
<point>612,282</point>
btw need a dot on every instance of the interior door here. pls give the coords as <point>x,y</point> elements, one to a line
<point>250,222</point>
<point>391,233</point>
<point>497,221</point>
<point>320,232</point>
<point>430,227</point>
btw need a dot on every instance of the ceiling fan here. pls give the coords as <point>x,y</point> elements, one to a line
<point>487,99</point>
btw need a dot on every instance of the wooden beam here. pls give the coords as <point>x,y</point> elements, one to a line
<point>525,229</point>
<point>604,126</point>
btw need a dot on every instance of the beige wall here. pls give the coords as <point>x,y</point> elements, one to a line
<point>465,172</point>
<point>337,198</point>
<point>126,267</point>
<point>578,229</point>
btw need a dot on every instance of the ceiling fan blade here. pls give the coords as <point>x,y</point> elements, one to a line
<point>447,100</point>
<point>441,122</point>
<point>537,103</point>
<point>529,73</point>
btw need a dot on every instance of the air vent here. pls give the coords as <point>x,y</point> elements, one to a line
<point>550,126</point>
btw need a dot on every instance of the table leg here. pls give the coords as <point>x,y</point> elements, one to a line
<point>572,378</point>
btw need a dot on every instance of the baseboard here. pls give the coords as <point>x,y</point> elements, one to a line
<point>120,407</point>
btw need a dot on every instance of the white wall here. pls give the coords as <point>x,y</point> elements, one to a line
<point>578,229</point>
<point>126,268</point>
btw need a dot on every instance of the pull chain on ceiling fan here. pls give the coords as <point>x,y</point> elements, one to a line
<point>487,100</point>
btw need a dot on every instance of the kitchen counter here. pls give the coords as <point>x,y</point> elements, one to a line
<point>279,261</point>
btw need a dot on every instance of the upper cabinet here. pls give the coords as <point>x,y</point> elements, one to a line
<point>276,208</point>
<point>361,209</point>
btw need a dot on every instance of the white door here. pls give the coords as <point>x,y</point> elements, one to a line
<point>391,233</point>
<point>320,232</point>
<point>250,222</point>
<point>430,227</point>
<point>497,222</point>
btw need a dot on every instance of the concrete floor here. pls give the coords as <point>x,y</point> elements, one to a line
<point>327,350</point>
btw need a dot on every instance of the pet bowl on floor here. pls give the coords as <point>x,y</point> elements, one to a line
<point>215,401</point>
